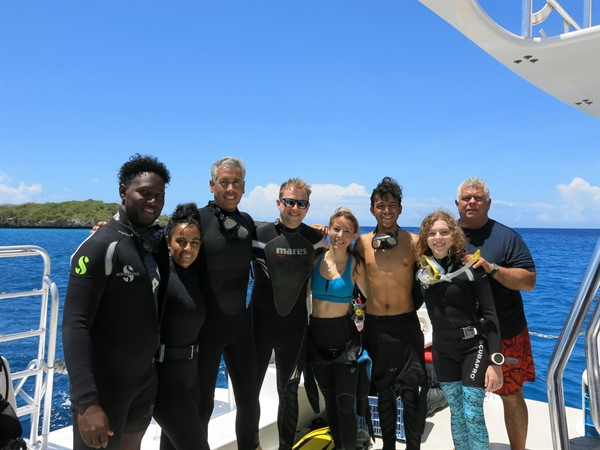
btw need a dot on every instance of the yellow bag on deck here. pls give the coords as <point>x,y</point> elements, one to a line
<point>319,439</point>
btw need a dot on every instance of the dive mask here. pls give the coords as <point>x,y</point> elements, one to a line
<point>230,226</point>
<point>384,240</point>
<point>432,272</point>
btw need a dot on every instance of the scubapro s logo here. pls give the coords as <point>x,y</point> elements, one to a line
<point>81,263</point>
<point>128,273</point>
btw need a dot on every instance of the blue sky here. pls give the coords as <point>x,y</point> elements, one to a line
<point>340,93</point>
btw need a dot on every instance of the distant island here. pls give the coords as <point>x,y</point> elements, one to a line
<point>73,214</point>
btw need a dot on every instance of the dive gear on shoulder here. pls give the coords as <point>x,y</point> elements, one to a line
<point>431,272</point>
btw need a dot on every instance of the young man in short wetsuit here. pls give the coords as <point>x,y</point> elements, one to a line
<point>223,266</point>
<point>510,268</point>
<point>112,313</point>
<point>393,334</point>
<point>284,254</point>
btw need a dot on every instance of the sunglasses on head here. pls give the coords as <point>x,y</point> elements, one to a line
<point>291,202</point>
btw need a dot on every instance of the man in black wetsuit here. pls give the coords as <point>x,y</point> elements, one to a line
<point>223,266</point>
<point>112,312</point>
<point>284,253</point>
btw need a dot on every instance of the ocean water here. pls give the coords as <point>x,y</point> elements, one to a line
<point>561,256</point>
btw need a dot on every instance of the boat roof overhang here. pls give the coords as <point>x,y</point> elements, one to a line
<point>566,66</point>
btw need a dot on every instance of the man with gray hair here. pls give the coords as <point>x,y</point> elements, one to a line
<point>223,266</point>
<point>510,268</point>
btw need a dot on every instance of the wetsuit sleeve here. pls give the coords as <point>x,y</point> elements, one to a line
<point>87,281</point>
<point>487,311</point>
<point>417,292</point>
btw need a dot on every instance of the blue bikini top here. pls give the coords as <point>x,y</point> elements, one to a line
<point>338,290</point>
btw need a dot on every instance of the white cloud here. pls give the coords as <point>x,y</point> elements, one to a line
<point>261,202</point>
<point>23,193</point>
<point>580,202</point>
<point>578,206</point>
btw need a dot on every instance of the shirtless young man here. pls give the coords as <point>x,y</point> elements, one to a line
<point>392,331</point>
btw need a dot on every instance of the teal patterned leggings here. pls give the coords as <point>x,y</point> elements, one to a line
<point>466,408</point>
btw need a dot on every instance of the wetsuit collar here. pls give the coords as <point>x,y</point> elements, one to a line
<point>281,227</point>
<point>150,237</point>
<point>214,206</point>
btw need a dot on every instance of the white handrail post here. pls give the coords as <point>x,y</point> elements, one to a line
<point>564,346</point>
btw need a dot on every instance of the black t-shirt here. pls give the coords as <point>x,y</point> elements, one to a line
<point>502,245</point>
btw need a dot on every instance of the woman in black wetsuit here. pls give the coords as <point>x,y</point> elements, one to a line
<point>176,408</point>
<point>465,327</point>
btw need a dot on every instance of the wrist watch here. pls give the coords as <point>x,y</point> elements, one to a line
<point>497,359</point>
<point>494,270</point>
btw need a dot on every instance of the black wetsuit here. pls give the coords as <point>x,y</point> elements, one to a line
<point>452,306</point>
<point>333,349</point>
<point>283,263</point>
<point>223,266</point>
<point>111,325</point>
<point>176,408</point>
<point>465,332</point>
<point>395,344</point>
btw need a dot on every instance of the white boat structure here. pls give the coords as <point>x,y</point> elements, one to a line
<point>566,66</point>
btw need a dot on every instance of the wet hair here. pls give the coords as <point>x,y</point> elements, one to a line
<point>345,213</point>
<point>476,183</point>
<point>184,213</point>
<point>227,161</point>
<point>139,164</point>
<point>387,187</point>
<point>295,184</point>
<point>457,249</point>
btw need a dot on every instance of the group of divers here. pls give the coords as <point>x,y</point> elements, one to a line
<point>149,312</point>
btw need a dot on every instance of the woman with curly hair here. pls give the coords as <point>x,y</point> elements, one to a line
<point>466,340</point>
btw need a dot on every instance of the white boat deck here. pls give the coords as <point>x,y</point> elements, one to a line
<point>437,429</point>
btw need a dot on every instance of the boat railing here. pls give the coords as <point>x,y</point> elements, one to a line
<point>531,18</point>
<point>42,369</point>
<point>562,351</point>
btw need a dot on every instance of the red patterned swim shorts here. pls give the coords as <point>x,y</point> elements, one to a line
<point>519,366</point>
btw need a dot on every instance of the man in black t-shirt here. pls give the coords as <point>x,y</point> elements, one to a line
<point>510,268</point>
